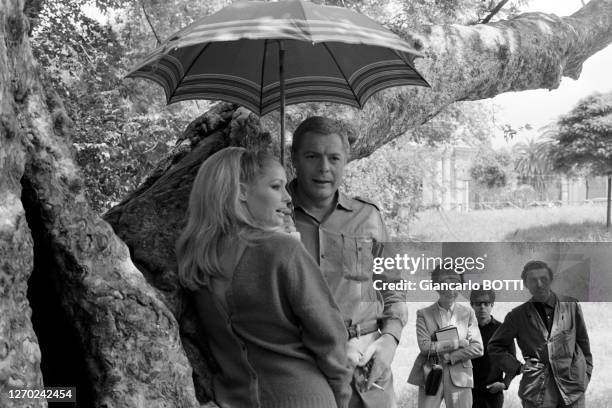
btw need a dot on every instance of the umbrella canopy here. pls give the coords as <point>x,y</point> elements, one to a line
<point>332,54</point>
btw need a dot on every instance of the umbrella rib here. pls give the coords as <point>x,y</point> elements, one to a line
<point>331,54</point>
<point>187,70</point>
<point>263,67</point>
<point>411,65</point>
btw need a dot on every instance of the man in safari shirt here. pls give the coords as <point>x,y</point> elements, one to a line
<point>343,234</point>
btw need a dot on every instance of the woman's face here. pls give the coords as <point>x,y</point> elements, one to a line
<point>267,198</point>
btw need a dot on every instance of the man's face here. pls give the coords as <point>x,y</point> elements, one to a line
<point>538,282</point>
<point>319,164</point>
<point>449,295</point>
<point>482,308</point>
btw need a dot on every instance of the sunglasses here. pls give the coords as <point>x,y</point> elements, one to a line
<point>481,303</point>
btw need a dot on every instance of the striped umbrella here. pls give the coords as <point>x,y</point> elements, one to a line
<point>265,55</point>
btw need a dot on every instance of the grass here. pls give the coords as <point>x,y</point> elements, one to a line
<point>600,388</point>
<point>567,223</point>
<point>587,231</point>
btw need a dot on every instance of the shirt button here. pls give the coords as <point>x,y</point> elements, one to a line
<point>322,256</point>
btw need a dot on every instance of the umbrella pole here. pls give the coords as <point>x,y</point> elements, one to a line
<point>281,75</point>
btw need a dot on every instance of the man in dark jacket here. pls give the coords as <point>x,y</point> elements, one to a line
<point>489,380</point>
<point>552,336</point>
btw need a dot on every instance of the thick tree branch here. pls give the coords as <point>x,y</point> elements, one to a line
<point>531,51</point>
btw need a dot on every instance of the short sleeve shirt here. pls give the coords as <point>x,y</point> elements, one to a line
<point>344,245</point>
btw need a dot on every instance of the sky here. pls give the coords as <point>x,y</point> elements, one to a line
<point>541,107</point>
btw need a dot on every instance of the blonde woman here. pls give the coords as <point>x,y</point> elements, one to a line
<point>269,317</point>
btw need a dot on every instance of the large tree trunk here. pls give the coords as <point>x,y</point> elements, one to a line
<point>19,351</point>
<point>118,335</point>
<point>101,327</point>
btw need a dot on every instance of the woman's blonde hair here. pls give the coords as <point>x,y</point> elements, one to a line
<point>216,216</point>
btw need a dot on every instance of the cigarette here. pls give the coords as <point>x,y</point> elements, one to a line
<point>378,386</point>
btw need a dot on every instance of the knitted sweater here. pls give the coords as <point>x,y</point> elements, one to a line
<point>282,341</point>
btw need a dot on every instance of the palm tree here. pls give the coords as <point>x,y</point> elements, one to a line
<point>533,163</point>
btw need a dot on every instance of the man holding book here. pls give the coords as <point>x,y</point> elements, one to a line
<point>448,338</point>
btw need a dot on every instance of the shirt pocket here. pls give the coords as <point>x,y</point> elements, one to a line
<point>357,258</point>
<point>562,344</point>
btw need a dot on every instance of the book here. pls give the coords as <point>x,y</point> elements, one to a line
<point>447,333</point>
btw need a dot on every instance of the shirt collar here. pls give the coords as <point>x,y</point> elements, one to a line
<point>492,321</point>
<point>550,302</point>
<point>343,201</point>
<point>450,310</point>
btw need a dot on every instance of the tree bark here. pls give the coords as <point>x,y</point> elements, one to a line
<point>19,351</point>
<point>124,338</point>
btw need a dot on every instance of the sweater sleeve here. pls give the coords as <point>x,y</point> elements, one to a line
<point>323,330</point>
<point>475,347</point>
<point>501,346</point>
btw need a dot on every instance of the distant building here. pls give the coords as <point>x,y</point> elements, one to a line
<point>584,188</point>
<point>446,175</point>
<point>446,183</point>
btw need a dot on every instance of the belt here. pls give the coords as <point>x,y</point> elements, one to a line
<point>362,329</point>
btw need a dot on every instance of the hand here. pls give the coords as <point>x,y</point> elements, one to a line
<point>463,343</point>
<point>382,352</point>
<point>496,387</point>
<point>531,364</point>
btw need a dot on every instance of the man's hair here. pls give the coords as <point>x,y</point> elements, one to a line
<point>438,274</point>
<point>322,126</point>
<point>482,293</point>
<point>533,265</point>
